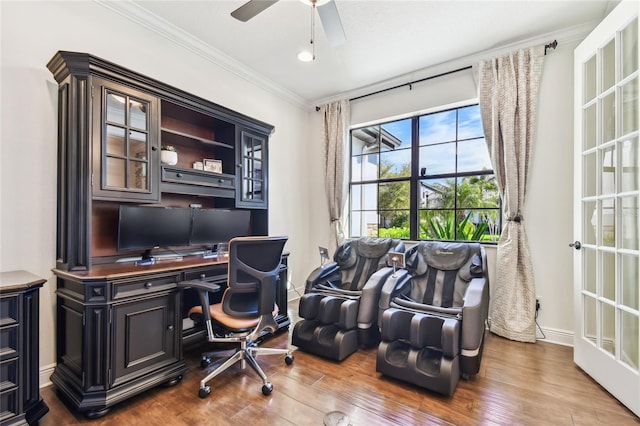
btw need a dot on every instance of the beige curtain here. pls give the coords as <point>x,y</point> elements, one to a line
<point>336,154</point>
<point>508,90</point>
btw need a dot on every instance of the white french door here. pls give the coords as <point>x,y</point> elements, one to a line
<point>606,219</point>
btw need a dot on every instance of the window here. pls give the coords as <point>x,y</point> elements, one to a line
<point>424,177</point>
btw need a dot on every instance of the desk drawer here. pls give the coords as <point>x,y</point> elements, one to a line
<point>9,310</point>
<point>9,374</point>
<point>129,288</point>
<point>215,275</point>
<point>9,342</point>
<point>9,404</point>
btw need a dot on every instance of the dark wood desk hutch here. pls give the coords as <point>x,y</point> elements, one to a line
<point>120,326</point>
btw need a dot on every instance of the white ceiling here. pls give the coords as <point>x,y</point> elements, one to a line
<point>385,39</point>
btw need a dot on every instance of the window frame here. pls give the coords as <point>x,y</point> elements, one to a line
<point>415,176</point>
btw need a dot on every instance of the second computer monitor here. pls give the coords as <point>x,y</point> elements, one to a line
<point>213,226</point>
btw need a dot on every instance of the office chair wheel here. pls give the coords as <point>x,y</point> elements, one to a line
<point>205,361</point>
<point>204,392</point>
<point>288,359</point>
<point>267,388</point>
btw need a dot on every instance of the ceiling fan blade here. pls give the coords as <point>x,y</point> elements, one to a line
<point>251,9</point>
<point>331,23</point>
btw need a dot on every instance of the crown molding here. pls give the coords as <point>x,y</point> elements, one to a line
<point>180,37</point>
<point>564,36</point>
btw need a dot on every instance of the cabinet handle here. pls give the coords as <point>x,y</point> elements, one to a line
<point>170,328</point>
<point>179,175</point>
<point>154,148</point>
<point>148,285</point>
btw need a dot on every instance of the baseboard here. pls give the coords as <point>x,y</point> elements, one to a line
<point>555,336</point>
<point>45,375</point>
<point>294,293</point>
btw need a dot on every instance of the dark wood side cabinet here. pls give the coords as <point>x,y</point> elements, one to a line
<point>120,326</point>
<point>20,401</point>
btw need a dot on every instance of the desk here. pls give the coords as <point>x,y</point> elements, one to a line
<point>20,400</point>
<point>119,328</point>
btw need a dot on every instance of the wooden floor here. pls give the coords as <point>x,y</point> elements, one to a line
<point>518,384</point>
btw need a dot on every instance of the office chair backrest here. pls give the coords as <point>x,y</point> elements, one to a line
<point>253,270</point>
<point>441,271</point>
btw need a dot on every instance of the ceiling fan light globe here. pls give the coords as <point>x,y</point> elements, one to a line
<point>317,2</point>
<point>306,56</point>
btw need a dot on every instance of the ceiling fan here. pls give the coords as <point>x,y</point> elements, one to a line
<point>327,11</point>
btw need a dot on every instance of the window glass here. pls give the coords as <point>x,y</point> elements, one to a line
<point>438,159</point>
<point>473,156</point>
<point>395,163</point>
<point>445,159</point>
<point>395,135</point>
<point>469,123</point>
<point>436,193</point>
<point>438,127</point>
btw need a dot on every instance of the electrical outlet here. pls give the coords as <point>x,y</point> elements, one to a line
<point>538,303</point>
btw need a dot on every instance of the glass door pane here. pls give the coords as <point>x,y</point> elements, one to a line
<point>607,340</point>
<point>126,146</point>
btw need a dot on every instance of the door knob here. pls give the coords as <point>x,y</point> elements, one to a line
<point>576,245</point>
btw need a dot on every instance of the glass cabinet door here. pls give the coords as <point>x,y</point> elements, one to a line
<point>125,150</point>
<point>252,161</point>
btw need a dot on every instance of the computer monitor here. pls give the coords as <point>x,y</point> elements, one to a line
<point>146,228</point>
<point>213,226</point>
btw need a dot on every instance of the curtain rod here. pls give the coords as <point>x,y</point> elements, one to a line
<point>547,46</point>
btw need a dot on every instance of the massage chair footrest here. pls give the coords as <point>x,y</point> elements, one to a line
<point>424,367</point>
<point>327,341</point>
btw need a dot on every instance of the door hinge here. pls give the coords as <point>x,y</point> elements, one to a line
<point>92,91</point>
<point>92,180</point>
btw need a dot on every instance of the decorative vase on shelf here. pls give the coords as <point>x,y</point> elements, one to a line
<point>169,155</point>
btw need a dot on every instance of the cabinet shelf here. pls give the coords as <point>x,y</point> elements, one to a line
<point>196,138</point>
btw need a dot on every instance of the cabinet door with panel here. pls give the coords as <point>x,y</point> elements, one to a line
<point>252,170</point>
<point>147,336</point>
<point>125,143</point>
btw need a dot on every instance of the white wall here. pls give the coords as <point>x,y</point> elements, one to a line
<point>549,209</point>
<point>31,33</point>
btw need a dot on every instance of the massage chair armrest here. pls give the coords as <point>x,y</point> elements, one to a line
<point>395,285</point>
<point>474,313</point>
<point>369,299</point>
<point>327,274</point>
<point>408,304</point>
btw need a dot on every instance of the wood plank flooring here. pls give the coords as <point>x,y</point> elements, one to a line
<point>518,384</point>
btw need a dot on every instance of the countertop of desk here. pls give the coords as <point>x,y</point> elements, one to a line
<point>120,270</point>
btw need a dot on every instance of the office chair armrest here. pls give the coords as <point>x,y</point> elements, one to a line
<point>201,285</point>
<point>474,313</point>
<point>322,274</point>
<point>202,288</point>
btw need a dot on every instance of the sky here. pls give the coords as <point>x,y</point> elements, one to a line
<point>437,137</point>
